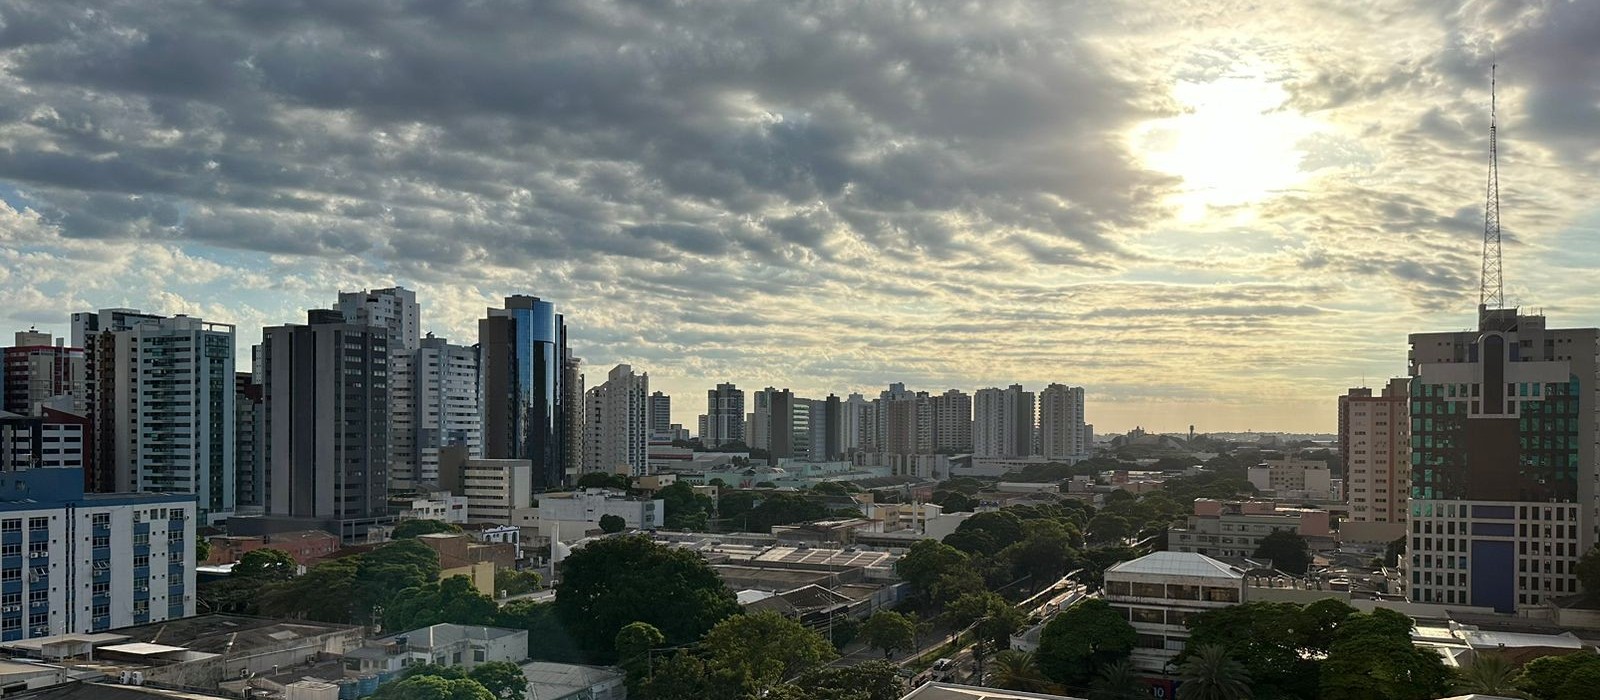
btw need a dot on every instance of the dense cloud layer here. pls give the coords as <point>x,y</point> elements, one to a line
<point>828,195</point>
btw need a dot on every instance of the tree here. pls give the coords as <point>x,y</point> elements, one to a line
<point>604,480</point>
<point>763,649</point>
<point>1580,685</point>
<point>515,582</point>
<point>327,593</point>
<point>611,524</point>
<point>1489,674</point>
<point>1287,550</point>
<point>1045,553</point>
<point>202,549</point>
<point>1277,642</point>
<point>1211,674</point>
<point>548,638</point>
<point>1118,680</point>
<point>1589,572</point>
<point>873,680</point>
<point>683,509</point>
<point>452,600</point>
<point>634,643</point>
<point>265,565</point>
<point>617,580</point>
<point>992,617</point>
<point>1544,677</point>
<point>1019,670</point>
<point>429,687</point>
<point>407,529</point>
<point>1108,528</point>
<point>927,561</point>
<point>502,679</point>
<point>889,631</point>
<point>1372,657</point>
<point>1081,639</point>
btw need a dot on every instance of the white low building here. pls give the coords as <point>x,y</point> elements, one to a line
<point>1160,593</point>
<point>576,510</point>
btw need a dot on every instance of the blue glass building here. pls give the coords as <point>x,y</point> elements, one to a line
<point>526,405</point>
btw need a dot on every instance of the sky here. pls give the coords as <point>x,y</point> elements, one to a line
<point>1210,213</point>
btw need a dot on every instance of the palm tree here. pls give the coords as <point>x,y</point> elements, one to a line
<point>1118,681</point>
<point>1210,674</point>
<point>1489,674</point>
<point>1018,670</point>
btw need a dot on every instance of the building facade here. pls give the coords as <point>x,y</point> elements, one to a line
<point>528,410</point>
<point>394,309</point>
<point>494,488</point>
<point>433,402</point>
<point>1160,593</point>
<point>36,368</point>
<point>724,417</point>
<point>1002,422</point>
<point>250,481</point>
<point>89,328</point>
<point>1375,448</point>
<point>1503,461</point>
<point>660,414</point>
<point>587,506</point>
<point>325,396</point>
<point>56,439</point>
<point>171,398</point>
<point>952,422</point>
<point>1061,427</point>
<point>617,424</point>
<point>72,562</point>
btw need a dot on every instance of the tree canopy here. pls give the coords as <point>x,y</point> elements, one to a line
<point>1287,550</point>
<point>265,565</point>
<point>683,509</point>
<point>1372,657</point>
<point>452,600</point>
<point>612,524</point>
<point>889,631</point>
<point>617,580</point>
<point>1081,639</point>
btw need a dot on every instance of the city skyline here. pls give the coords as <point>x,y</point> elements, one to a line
<point>1209,222</point>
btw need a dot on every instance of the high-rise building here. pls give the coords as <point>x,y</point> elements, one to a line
<point>1061,426</point>
<point>1375,449</point>
<point>37,368</point>
<point>660,414</point>
<point>854,422</point>
<point>833,438</point>
<point>789,426</point>
<point>616,420</point>
<point>395,309</point>
<point>1002,422</point>
<point>572,420</point>
<point>759,423</point>
<point>528,407</point>
<point>725,419</point>
<point>90,564</point>
<point>251,481</point>
<point>433,402</point>
<point>952,422</point>
<point>325,395</point>
<point>906,423</point>
<point>1503,461</point>
<point>100,366</point>
<point>170,399</point>
<point>55,438</point>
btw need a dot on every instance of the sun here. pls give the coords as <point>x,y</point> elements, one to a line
<point>1236,143</point>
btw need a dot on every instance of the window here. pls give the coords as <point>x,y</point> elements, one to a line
<point>141,560</point>
<point>38,524</point>
<point>11,525</point>
<point>102,588</point>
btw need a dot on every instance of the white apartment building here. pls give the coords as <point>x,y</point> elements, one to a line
<point>494,488</point>
<point>433,403</point>
<point>577,510</point>
<point>77,563</point>
<point>395,309</point>
<point>1160,593</point>
<point>617,424</point>
<point>1375,444</point>
<point>1002,422</point>
<point>1289,479</point>
<point>54,440</point>
<point>434,505</point>
<point>171,397</point>
<point>1062,434</point>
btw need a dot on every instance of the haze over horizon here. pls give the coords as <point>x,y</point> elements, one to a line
<point>1204,213</point>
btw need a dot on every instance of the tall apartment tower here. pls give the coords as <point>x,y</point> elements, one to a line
<point>38,368</point>
<point>325,395</point>
<point>617,424</point>
<point>572,419</point>
<point>725,419</point>
<point>1061,426</point>
<point>789,426</point>
<point>855,408</point>
<point>1375,449</point>
<point>433,403</point>
<point>395,309</point>
<point>248,426</point>
<point>660,414</point>
<point>1002,422</point>
<point>170,401</point>
<point>528,406</point>
<point>88,329</point>
<point>1503,461</point>
<point>906,423</point>
<point>758,425</point>
<point>952,422</point>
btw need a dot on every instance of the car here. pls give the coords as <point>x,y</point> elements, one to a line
<point>943,665</point>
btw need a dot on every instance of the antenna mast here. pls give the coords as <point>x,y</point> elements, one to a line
<point>1491,292</point>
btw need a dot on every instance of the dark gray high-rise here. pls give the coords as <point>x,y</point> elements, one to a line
<point>527,411</point>
<point>325,395</point>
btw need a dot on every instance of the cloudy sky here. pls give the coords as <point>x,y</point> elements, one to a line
<point>1219,213</point>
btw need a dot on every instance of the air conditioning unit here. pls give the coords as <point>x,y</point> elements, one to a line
<point>13,608</point>
<point>144,589</point>
<point>36,555</point>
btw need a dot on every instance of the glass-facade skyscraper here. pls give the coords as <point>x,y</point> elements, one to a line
<point>525,407</point>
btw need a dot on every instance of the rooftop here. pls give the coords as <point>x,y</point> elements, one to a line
<point>551,679</point>
<point>447,633</point>
<point>1177,564</point>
